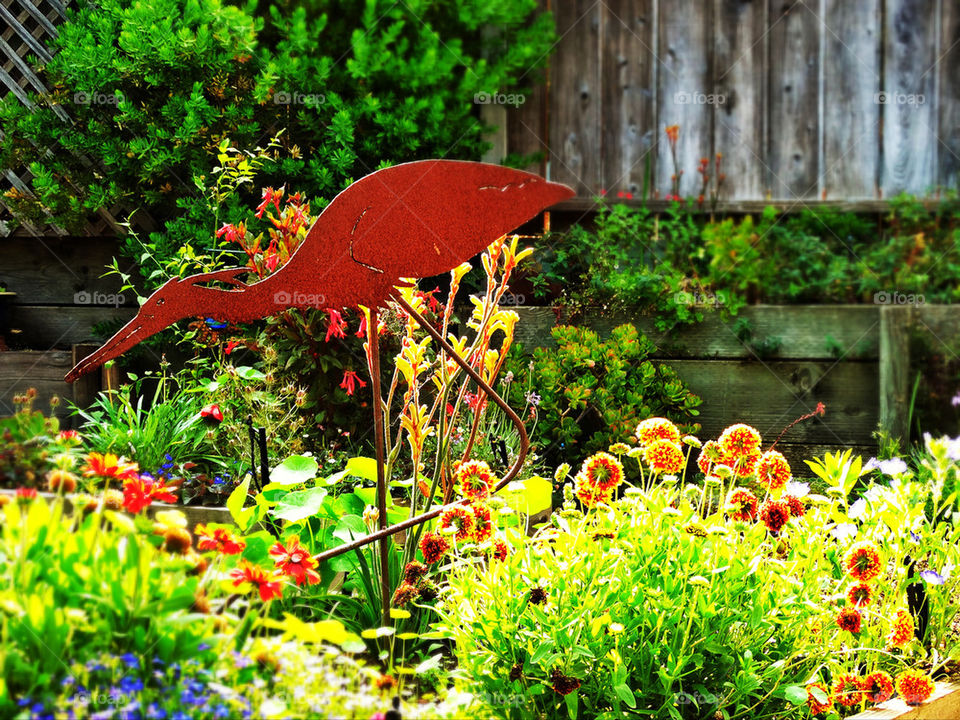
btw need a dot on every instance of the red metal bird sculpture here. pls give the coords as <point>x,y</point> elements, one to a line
<point>412,220</point>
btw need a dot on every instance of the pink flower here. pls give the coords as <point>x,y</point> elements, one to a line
<point>336,327</point>
<point>350,381</point>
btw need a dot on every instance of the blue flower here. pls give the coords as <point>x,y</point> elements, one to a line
<point>131,685</point>
<point>215,324</point>
<point>102,714</point>
<point>68,681</point>
<point>203,646</point>
<point>155,712</point>
<point>37,708</point>
<point>130,660</point>
<point>935,578</point>
<point>221,711</point>
<point>180,715</point>
<point>24,701</point>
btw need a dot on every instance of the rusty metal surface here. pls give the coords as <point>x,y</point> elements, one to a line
<point>412,220</point>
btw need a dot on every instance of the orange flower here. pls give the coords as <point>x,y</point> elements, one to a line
<point>863,561</point>
<point>459,520</point>
<point>588,494</point>
<point>742,505</point>
<point>482,522</point>
<point>109,466</point>
<point>877,687</point>
<point>738,440</point>
<point>663,457</point>
<point>914,686</point>
<point>219,539</point>
<point>603,471</point>
<point>850,620</point>
<point>709,456</point>
<point>775,514</point>
<point>902,630</point>
<point>139,493</point>
<point>743,466</point>
<point>474,478</point>
<point>819,705</point>
<point>267,583</point>
<point>293,559</point>
<point>773,470</point>
<point>860,595</point>
<point>846,689</point>
<point>673,133</point>
<point>433,546</point>
<point>500,550</point>
<point>657,428</point>
<point>797,508</point>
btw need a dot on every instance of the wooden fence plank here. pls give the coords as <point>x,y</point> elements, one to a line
<point>944,704</point>
<point>686,96</point>
<point>948,148</point>
<point>909,102</point>
<point>48,327</point>
<point>740,78</point>
<point>41,370</point>
<point>851,113</point>
<point>793,116</point>
<point>575,97</point>
<point>895,369</point>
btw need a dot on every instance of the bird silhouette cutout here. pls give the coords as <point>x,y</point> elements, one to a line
<point>412,220</point>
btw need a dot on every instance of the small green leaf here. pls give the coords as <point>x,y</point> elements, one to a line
<point>797,694</point>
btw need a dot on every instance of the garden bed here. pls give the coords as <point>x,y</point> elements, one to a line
<point>944,704</point>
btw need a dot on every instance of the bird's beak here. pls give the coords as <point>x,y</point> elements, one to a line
<point>133,332</point>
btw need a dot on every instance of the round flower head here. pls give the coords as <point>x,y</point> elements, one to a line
<point>433,546</point>
<point>860,595</point>
<point>482,522</point>
<point>901,631</point>
<point>475,479</point>
<point>457,521</point>
<point>589,494</point>
<point>500,550</point>
<point>405,592</point>
<point>709,456</point>
<point>850,620</point>
<point>742,505</point>
<point>797,508</point>
<point>773,470</point>
<point>664,456</point>
<point>821,704</point>
<point>877,687</point>
<point>774,514</point>
<point>846,689</point>
<point>914,686</point>
<point>657,428</point>
<point>413,571</point>
<point>603,471</point>
<point>744,465</point>
<point>739,440</point>
<point>61,481</point>
<point>862,561</point>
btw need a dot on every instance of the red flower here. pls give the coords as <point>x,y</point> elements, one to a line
<point>850,620</point>
<point>474,478</point>
<point>229,230</point>
<point>860,595</point>
<point>816,705</point>
<point>109,466</point>
<point>742,505</point>
<point>25,493</point>
<point>877,687</point>
<point>664,456</point>
<point>482,523</point>
<point>268,583</point>
<point>336,326</point>
<point>270,197</point>
<point>350,381</point>
<point>68,436</point>
<point>460,520</point>
<point>797,508</point>
<point>231,346</point>
<point>739,440</point>
<point>773,470</point>
<point>433,546</point>
<point>914,686</point>
<point>218,539</point>
<point>656,428</point>
<point>588,494</point>
<point>294,560</point>
<point>903,629</point>
<point>362,330</point>
<point>709,456</point>
<point>603,471</point>
<point>138,494</point>
<point>863,561</point>
<point>212,412</point>
<point>846,689</point>
<point>500,550</point>
<point>775,514</point>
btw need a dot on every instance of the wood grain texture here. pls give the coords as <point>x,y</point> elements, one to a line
<point>525,131</point>
<point>793,111</point>
<point>629,92</point>
<point>686,94</point>
<point>948,67</point>
<point>894,370</point>
<point>851,114</point>
<point>44,371</point>
<point>944,704</point>
<point>910,108</point>
<point>740,129</point>
<point>47,327</point>
<point>575,97</point>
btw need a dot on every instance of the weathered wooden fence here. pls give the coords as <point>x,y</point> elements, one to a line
<point>805,99</point>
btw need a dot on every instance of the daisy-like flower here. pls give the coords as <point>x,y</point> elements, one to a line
<point>61,481</point>
<point>139,493</point>
<point>405,593</point>
<point>433,546</point>
<point>177,540</point>
<point>457,521</point>
<point>220,540</point>
<point>590,495</point>
<point>475,479</point>
<point>877,687</point>
<point>775,514</point>
<point>745,465</point>
<point>267,583</point>
<point>602,470</point>
<point>862,561</point>
<point>914,686</point>
<point>293,559</point>
<point>860,595</point>
<point>538,596</point>
<point>413,571</point>
<point>500,550</point>
<point>483,526</point>
<point>563,684</point>
<point>846,689</point>
<point>709,456</point>
<point>663,457</point>
<point>742,505</point>
<point>901,630</point>
<point>797,508</point>
<point>849,619</point>
<point>657,428</point>
<point>819,699</point>
<point>773,470</point>
<point>738,440</point>
<point>109,466</point>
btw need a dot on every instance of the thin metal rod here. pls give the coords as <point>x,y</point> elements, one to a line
<point>385,532</point>
<point>373,359</point>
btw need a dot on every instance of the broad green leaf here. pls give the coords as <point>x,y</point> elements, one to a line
<point>625,694</point>
<point>431,663</point>
<point>300,505</point>
<point>295,470</point>
<point>235,503</point>
<point>350,527</point>
<point>529,497</point>
<point>797,694</point>
<point>361,467</point>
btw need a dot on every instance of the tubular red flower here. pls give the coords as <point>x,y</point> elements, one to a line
<point>350,382</point>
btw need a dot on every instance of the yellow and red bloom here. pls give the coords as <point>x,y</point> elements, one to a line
<point>457,521</point>
<point>267,583</point>
<point>109,466</point>
<point>847,690</point>
<point>774,514</point>
<point>433,546</point>
<point>500,550</point>
<point>603,471</point>
<point>404,593</point>
<point>849,619</point>
<point>709,456</point>
<point>474,478</point>
<point>413,571</point>
<point>483,526</point>
<point>71,437</point>
<point>293,559</point>
<point>657,428</point>
<point>860,595</point>
<point>862,561</point>
<point>588,494</point>
<point>25,493</point>
<point>821,704</point>
<point>902,629</point>
<point>664,457</point>
<point>219,540</point>
<point>738,440</point>
<point>914,686</point>
<point>797,508</point>
<point>742,505</point>
<point>877,687</point>
<point>743,466</point>
<point>773,470</point>
<point>139,493</point>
